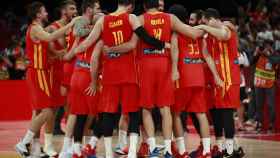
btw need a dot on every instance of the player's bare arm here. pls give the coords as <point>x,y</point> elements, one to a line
<point>81,28</point>
<point>211,64</point>
<point>38,32</point>
<point>175,57</point>
<point>71,54</point>
<point>184,29</point>
<point>221,32</point>
<point>94,64</point>
<point>56,53</point>
<point>93,36</point>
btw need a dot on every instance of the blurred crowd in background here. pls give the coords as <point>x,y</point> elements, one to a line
<point>258,25</point>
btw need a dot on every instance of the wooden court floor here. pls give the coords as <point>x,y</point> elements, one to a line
<point>254,146</point>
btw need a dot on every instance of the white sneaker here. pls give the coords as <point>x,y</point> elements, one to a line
<point>23,150</point>
<point>64,154</point>
<point>49,150</point>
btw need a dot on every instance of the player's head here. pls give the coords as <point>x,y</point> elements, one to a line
<point>151,4</point>
<point>129,4</point>
<point>179,11</point>
<point>37,11</point>
<point>210,16</point>
<point>90,7</point>
<point>68,9</point>
<point>195,17</point>
<point>161,5</point>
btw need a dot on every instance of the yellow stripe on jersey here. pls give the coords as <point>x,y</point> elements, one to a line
<point>222,60</point>
<point>40,56</point>
<point>35,56</point>
<point>227,67</point>
<point>45,83</point>
<point>40,80</point>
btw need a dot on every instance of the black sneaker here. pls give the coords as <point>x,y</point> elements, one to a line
<point>226,155</point>
<point>239,153</point>
<point>23,150</point>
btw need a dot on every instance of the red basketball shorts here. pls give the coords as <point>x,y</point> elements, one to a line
<point>80,103</point>
<point>231,99</point>
<point>126,95</point>
<point>38,83</point>
<point>190,99</point>
<point>156,86</point>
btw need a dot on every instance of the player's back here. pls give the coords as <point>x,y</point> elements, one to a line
<point>36,51</point>
<point>118,68</point>
<point>158,25</point>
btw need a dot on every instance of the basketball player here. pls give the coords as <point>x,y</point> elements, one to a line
<point>57,49</point>
<point>224,40</point>
<point>38,80</point>
<point>191,94</point>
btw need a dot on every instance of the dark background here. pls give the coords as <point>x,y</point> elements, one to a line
<point>226,7</point>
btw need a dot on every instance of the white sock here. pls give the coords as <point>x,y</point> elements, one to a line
<point>152,143</point>
<point>108,147</point>
<point>167,146</point>
<point>180,142</point>
<point>67,143</point>
<point>36,147</point>
<point>93,141</point>
<point>48,139</point>
<point>133,141</point>
<point>28,137</point>
<point>220,144</point>
<point>77,149</point>
<point>122,141</point>
<point>236,144</point>
<point>229,146</point>
<point>206,143</point>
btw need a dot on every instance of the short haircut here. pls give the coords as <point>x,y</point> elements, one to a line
<point>33,9</point>
<point>65,3</point>
<point>179,11</point>
<point>212,13</point>
<point>88,3</point>
<point>126,2</point>
<point>151,4</point>
<point>198,13</point>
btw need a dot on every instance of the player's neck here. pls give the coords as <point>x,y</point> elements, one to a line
<point>38,22</point>
<point>152,10</point>
<point>62,21</point>
<point>121,9</point>
<point>87,17</point>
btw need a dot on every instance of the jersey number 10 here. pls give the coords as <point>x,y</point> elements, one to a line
<point>118,37</point>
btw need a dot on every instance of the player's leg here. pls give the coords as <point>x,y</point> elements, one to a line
<point>205,132</point>
<point>149,128</point>
<point>121,147</point>
<point>166,128</point>
<point>218,130</point>
<point>228,125</point>
<point>49,128</point>
<point>78,134</point>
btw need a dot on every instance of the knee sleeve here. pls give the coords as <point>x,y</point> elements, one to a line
<point>134,122</point>
<point>79,128</point>
<point>228,123</point>
<point>96,126</point>
<point>195,123</point>
<point>217,122</point>
<point>108,124</point>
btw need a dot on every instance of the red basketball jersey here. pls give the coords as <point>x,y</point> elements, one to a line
<point>36,52</point>
<point>118,68</point>
<point>191,62</point>
<point>157,25</point>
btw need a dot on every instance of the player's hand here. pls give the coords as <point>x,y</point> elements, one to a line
<point>167,45</point>
<point>175,75</point>
<point>91,90</point>
<point>106,49</point>
<point>219,82</point>
<point>73,21</point>
<point>67,57</point>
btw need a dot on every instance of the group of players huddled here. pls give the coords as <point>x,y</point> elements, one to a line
<point>96,63</point>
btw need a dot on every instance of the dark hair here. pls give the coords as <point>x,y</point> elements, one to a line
<point>88,4</point>
<point>198,13</point>
<point>151,4</point>
<point>33,9</point>
<point>179,11</point>
<point>126,2</point>
<point>65,3</point>
<point>211,13</point>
